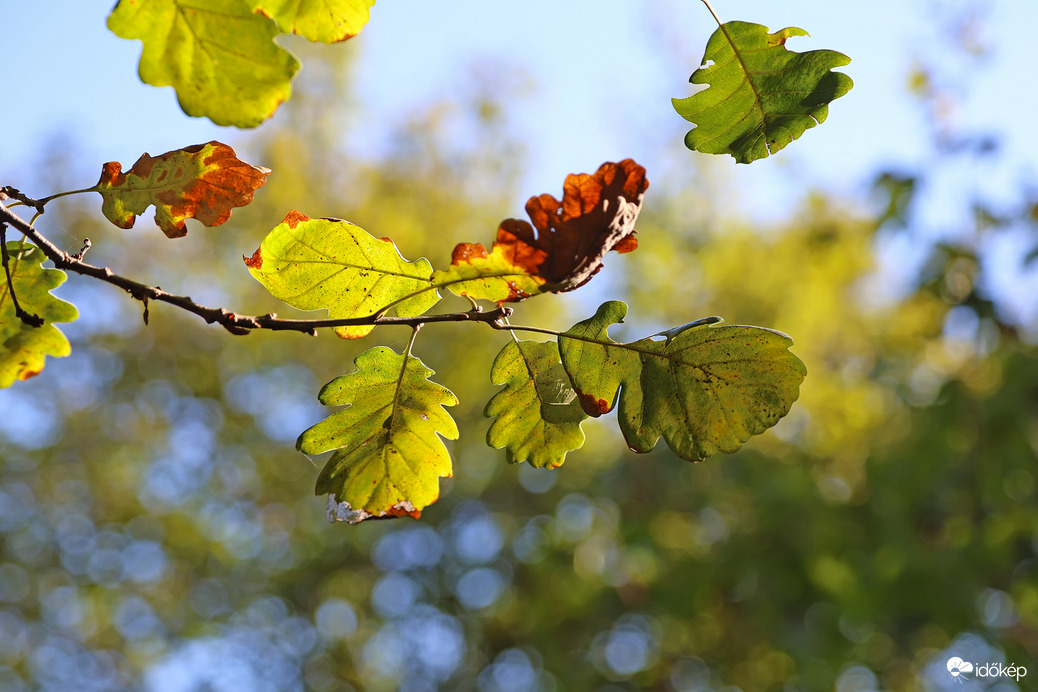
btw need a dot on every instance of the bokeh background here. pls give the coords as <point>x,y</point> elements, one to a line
<point>158,530</point>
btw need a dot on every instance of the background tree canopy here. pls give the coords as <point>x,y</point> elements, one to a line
<point>158,531</point>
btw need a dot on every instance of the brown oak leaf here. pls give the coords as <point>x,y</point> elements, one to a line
<point>563,248</point>
<point>597,214</point>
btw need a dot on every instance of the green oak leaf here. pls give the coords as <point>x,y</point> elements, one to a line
<point>331,264</point>
<point>389,455</point>
<point>219,55</point>
<point>327,21</point>
<point>761,96</point>
<point>703,388</point>
<point>24,348</point>
<point>537,418</point>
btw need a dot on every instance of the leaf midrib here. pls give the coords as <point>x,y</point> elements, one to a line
<point>758,105</point>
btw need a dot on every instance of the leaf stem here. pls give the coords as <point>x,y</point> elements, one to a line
<point>627,346</point>
<point>93,188</point>
<point>433,285</point>
<point>22,199</point>
<point>414,334</point>
<point>400,380</point>
<point>244,324</point>
<point>503,324</point>
<point>711,8</point>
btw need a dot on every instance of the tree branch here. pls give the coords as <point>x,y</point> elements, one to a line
<point>28,318</point>
<point>8,192</point>
<point>231,321</point>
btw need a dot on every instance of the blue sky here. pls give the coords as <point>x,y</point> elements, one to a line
<point>604,73</point>
<point>602,76</point>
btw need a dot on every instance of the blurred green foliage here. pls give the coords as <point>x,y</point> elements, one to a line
<point>158,531</point>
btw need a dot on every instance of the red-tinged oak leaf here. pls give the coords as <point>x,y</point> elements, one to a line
<point>565,245</point>
<point>203,182</point>
<point>492,276</point>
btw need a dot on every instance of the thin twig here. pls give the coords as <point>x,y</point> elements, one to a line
<point>82,253</point>
<point>8,192</point>
<point>28,318</point>
<point>231,321</point>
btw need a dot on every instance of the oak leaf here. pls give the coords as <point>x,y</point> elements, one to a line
<point>327,21</point>
<point>536,415</point>
<point>492,276</point>
<point>331,264</point>
<point>703,388</point>
<point>219,55</point>
<point>389,455</point>
<point>203,182</point>
<point>24,348</point>
<point>565,245</point>
<point>761,96</point>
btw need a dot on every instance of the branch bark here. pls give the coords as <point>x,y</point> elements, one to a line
<point>231,321</point>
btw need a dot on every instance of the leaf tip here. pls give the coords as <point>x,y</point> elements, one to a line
<point>466,252</point>
<point>294,218</point>
<point>779,37</point>
<point>111,174</point>
<point>404,508</point>
<point>628,244</point>
<point>171,229</point>
<point>256,261</point>
<point>592,405</point>
<point>615,310</point>
<point>357,332</point>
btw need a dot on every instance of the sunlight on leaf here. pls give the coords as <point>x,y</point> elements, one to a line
<point>761,96</point>
<point>703,388</point>
<point>563,248</point>
<point>331,264</point>
<point>202,182</point>
<point>496,276</point>
<point>219,55</point>
<point>23,348</point>
<point>537,418</point>
<point>388,452</point>
<point>327,21</point>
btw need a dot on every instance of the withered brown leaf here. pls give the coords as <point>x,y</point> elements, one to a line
<point>567,241</point>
